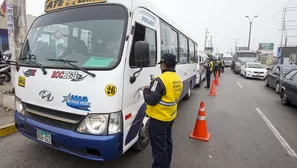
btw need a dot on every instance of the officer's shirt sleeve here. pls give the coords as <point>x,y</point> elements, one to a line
<point>153,95</point>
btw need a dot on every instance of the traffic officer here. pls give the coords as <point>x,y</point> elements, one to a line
<point>223,66</point>
<point>161,98</point>
<point>209,69</point>
<point>219,67</point>
<point>216,67</point>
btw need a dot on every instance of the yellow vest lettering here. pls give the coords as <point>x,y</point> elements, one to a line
<point>165,110</point>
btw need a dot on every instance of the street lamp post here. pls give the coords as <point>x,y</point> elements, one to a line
<point>250,32</point>
<point>235,44</point>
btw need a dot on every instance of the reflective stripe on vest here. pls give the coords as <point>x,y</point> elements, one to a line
<point>167,103</point>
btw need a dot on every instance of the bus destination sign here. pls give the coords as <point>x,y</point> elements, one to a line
<point>51,5</point>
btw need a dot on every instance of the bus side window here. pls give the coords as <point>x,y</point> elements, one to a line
<point>143,33</point>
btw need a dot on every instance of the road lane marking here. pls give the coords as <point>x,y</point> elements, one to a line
<point>239,84</point>
<point>277,134</point>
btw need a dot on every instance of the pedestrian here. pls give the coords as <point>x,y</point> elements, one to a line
<point>209,69</point>
<point>216,67</point>
<point>161,98</point>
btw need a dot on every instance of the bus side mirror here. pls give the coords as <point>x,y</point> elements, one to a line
<point>141,57</point>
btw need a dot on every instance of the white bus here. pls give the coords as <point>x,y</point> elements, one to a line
<point>202,60</point>
<point>79,86</point>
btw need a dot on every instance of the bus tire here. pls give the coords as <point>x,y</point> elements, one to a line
<point>143,136</point>
<point>188,95</point>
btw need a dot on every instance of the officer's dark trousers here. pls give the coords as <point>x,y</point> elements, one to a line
<point>208,76</point>
<point>223,69</point>
<point>161,142</point>
<point>219,70</point>
<point>215,71</point>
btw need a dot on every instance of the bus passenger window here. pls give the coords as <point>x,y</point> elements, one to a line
<point>143,33</point>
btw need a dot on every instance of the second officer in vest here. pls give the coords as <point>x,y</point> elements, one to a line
<point>161,98</point>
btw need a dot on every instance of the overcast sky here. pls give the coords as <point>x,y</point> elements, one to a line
<point>225,19</point>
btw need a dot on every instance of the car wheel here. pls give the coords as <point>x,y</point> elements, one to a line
<point>284,98</point>
<point>266,82</point>
<point>277,87</point>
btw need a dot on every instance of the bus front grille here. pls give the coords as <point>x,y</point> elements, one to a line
<point>53,117</point>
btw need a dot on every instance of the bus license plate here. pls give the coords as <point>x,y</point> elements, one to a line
<point>44,136</point>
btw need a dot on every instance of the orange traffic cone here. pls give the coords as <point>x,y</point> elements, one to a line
<point>213,91</point>
<point>200,129</point>
<point>217,75</point>
<point>217,81</point>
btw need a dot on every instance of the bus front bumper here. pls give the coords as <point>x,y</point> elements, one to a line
<point>99,148</point>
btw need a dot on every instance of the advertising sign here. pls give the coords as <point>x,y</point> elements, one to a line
<point>266,46</point>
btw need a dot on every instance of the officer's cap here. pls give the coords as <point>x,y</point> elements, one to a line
<point>168,59</point>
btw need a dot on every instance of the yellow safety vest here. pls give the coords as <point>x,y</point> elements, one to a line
<point>165,110</point>
<point>211,65</point>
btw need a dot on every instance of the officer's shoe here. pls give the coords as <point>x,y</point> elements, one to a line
<point>206,87</point>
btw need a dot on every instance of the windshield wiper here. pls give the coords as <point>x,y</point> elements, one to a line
<point>32,59</point>
<point>69,62</point>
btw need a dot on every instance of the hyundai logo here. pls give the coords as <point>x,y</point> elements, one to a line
<point>46,95</point>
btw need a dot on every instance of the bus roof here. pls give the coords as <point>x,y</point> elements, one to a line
<point>131,5</point>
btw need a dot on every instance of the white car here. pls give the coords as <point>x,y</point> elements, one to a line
<point>253,70</point>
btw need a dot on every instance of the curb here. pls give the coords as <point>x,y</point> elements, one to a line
<point>7,130</point>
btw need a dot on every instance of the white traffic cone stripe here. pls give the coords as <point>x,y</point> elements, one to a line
<point>201,118</point>
<point>202,109</point>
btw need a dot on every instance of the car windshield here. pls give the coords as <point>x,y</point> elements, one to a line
<point>256,66</point>
<point>93,36</point>
<point>246,54</point>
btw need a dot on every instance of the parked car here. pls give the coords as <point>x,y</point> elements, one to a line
<point>275,74</point>
<point>253,70</point>
<point>289,88</point>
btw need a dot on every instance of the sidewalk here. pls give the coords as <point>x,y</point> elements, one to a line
<point>7,126</point>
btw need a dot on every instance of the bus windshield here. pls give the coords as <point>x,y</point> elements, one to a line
<point>247,54</point>
<point>227,58</point>
<point>92,36</point>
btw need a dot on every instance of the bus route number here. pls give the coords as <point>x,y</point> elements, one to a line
<point>110,90</point>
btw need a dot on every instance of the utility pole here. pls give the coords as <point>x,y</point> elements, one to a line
<point>17,29</point>
<point>250,32</point>
<point>206,35</point>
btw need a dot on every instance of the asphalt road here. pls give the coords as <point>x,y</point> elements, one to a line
<point>248,125</point>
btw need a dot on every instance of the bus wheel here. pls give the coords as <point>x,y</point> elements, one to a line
<point>188,95</point>
<point>143,136</point>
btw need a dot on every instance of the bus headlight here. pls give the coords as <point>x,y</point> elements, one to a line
<point>19,106</point>
<point>94,124</point>
<point>97,124</point>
